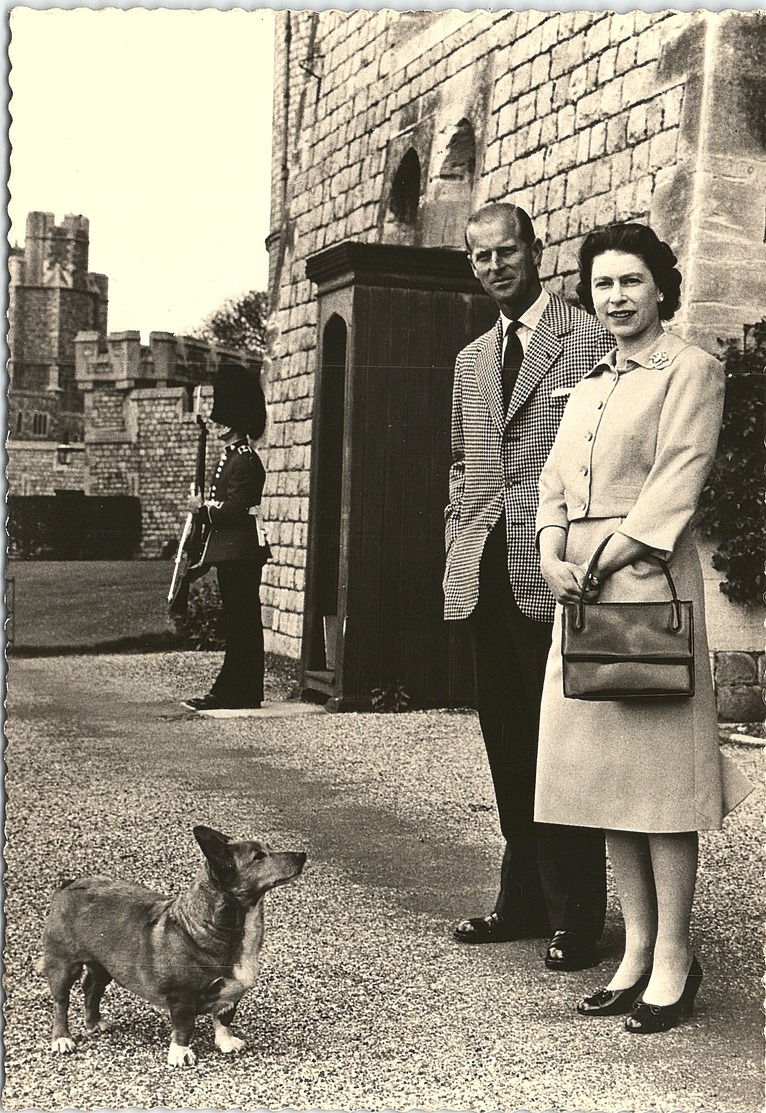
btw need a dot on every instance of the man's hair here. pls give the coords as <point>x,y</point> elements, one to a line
<point>502,208</point>
<point>633,239</point>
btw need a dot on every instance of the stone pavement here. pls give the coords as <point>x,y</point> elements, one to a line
<point>364,1002</point>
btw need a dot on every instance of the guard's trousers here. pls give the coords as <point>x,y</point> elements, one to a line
<point>240,681</point>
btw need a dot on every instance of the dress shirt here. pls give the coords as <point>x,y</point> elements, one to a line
<point>528,321</point>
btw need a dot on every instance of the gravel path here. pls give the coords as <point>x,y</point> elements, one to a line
<point>364,1002</point>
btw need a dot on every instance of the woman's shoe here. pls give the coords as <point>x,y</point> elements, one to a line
<point>612,1002</point>
<point>646,1019</point>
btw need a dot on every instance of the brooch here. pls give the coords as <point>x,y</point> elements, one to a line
<point>660,359</point>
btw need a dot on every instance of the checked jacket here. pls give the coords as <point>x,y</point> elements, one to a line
<point>497,457</point>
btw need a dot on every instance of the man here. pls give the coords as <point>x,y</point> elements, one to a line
<point>510,389</point>
<point>235,543</point>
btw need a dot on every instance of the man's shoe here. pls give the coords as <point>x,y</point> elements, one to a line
<point>569,950</point>
<point>495,929</point>
<point>213,703</point>
<point>203,703</point>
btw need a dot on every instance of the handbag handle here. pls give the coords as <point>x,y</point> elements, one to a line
<point>579,617</point>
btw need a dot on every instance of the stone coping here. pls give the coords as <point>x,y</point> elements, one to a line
<point>742,734</point>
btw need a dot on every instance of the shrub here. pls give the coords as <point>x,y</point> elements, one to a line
<point>391,699</point>
<point>731,509</point>
<point>198,628</point>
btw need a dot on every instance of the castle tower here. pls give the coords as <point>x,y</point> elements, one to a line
<point>52,297</point>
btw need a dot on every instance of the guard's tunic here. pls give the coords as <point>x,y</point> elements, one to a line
<point>632,455</point>
<point>239,553</point>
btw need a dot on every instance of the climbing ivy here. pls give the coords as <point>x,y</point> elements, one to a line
<point>732,506</point>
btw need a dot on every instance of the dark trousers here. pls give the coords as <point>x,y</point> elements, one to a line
<point>240,680</point>
<point>551,876</point>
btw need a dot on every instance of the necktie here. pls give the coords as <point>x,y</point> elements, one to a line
<point>512,357</point>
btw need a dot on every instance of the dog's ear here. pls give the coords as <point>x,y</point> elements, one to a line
<point>215,847</point>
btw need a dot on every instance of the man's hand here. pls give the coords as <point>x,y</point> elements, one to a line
<point>193,503</point>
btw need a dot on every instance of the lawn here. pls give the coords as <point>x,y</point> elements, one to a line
<point>68,605</point>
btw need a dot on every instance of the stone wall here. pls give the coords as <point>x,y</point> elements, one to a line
<point>140,432</point>
<point>581,117</point>
<point>37,468</point>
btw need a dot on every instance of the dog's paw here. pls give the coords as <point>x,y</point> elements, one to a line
<point>227,1043</point>
<point>180,1056</point>
<point>64,1045</point>
<point>96,1029</point>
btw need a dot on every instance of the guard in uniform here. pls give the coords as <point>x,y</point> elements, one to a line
<point>236,544</point>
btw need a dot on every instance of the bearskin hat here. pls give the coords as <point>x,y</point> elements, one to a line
<point>238,400</point>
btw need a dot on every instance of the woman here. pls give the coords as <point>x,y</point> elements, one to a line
<point>235,542</point>
<point>636,443</point>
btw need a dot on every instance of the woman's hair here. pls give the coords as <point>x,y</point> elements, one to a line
<point>633,239</point>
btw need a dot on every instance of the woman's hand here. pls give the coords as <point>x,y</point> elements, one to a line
<point>193,503</point>
<point>565,580</point>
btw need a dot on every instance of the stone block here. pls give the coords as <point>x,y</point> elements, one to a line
<point>526,108</point>
<point>557,225</point>
<point>672,103</point>
<point>563,59</point>
<point>761,666</point>
<point>607,65</point>
<point>583,149</point>
<point>541,66</point>
<point>588,109</point>
<point>597,144</point>
<point>617,133</point>
<point>506,122</point>
<point>565,122</point>
<point>637,123</point>
<point>522,80</point>
<point>639,163</point>
<point>598,35</point>
<point>548,130</point>
<point>549,34</point>
<point>733,668</point>
<point>626,56</point>
<point>642,196</point>
<point>622,27</point>
<point>610,102</point>
<point>663,149</point>
<point>636,84</point>
<point>578,83</point>
<point>556,192</point>
<point>740,704</point>
<point>602,176</point>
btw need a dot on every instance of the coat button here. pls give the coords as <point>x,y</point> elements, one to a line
<point>589,436</point>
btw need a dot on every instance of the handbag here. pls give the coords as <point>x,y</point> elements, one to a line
<point>615,651</point>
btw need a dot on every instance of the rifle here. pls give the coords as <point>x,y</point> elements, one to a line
<point>189,563</point>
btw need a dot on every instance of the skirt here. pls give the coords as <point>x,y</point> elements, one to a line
<point>648,765</point>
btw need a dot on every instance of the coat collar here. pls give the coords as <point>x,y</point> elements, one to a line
<point>657,356</point>
<point>545,347</point>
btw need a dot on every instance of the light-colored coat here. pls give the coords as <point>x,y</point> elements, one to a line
<point>643,456</point>
<point>632,455</point>
<point>497,457</point>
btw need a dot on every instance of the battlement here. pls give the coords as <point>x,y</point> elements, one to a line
<point>122,363</point>
<point>56,255</point>
<point>43,225</point>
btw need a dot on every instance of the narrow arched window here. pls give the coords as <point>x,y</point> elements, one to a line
<point>405,189</point>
